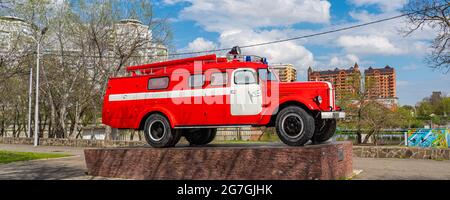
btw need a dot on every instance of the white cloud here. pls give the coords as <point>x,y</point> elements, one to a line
<point>385,5</point>
<point>370,44</point>
<point>387,38</point>
<point>225,15</point>
<point>239,22</point>
<point>362,16</point>
<point>199,44</point>
<point>287,52</point>
<point>344,61</point>
<point>171,2</point>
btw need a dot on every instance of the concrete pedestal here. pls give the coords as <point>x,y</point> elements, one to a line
<point>217,162</point>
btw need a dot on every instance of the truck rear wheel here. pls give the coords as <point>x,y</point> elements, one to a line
<point>158,132</point>
<point>294,126</point>
<point>201,136</point>
<point>325,129</point>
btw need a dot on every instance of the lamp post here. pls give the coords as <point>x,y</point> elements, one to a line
<point>30,97</point>
<point>38,56</point>
<point>36,104</point>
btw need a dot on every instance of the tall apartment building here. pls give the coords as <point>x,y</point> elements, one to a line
<point>381,82</point>
<point>286,72</point>
<point>10,29</point>
<point>346,81</point>
<point>121,35</point>
<point>128,31</point>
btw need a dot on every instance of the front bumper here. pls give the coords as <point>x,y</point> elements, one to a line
<point>333,115</point>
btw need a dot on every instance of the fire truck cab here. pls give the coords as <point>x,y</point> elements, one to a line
<point>192,97</point>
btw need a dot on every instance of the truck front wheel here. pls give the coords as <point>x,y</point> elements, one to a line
<point>325,129</point>
<point>294,126</point>
<point>201,136</point>
<point>158,132</point>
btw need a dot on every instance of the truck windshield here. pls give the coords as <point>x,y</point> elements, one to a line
<point>266,75</point>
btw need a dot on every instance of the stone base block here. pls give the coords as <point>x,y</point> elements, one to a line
<point>221,162</point>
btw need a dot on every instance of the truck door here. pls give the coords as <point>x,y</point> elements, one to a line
<point>215,98</point>
<point>245,93</point>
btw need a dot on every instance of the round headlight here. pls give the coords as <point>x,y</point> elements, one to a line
<point>318,99</point>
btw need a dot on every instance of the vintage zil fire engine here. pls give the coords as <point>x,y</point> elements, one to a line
<point>192,97</point>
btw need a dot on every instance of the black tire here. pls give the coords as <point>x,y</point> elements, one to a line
<point>177,137</point>
<point>325,129</point>
<point>212,135</point>
<point>158,133</point>
<point>201,136</point>
<point>294,126</point>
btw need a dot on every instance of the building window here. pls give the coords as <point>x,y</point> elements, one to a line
<point>158,83</point>
<point>196,80</point>
<point>219,79</point>
<point>5,41</point>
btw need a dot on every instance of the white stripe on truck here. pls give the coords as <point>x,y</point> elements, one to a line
<point>170,94</point>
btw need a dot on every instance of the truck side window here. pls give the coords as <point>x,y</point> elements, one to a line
<point>158,83</point>
<point>266,75</point>
<point>244,77</point>
<point>219,79</point>
<point>196,80</point>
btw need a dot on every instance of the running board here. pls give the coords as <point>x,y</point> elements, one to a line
<point>226,126</point>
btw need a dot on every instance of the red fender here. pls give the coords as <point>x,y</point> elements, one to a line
<point>164,111</point>
<point>272,110</point>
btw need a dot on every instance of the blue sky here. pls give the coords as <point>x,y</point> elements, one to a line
<point>209,24</point>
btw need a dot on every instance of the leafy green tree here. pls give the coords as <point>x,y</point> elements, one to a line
<point>377,117</point>
<point>81,50</point>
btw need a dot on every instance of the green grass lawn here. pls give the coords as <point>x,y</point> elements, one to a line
<point>12,156</point>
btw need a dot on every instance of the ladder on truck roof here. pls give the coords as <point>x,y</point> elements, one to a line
<point>150,68</point>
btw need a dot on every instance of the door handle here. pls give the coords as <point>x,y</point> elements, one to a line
<point>232,91</point>
<point>256,93</point>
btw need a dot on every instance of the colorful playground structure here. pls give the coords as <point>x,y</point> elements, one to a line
<point>437,138</point>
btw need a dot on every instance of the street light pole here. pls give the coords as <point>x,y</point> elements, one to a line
<point>30,98</point>
<point>36,112</point>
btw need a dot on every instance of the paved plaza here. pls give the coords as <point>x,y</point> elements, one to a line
<point>74,167</point>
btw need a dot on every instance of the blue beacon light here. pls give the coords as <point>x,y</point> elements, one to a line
<point>264,60</point>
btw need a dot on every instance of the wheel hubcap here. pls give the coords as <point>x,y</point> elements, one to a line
<point>292,125</point>
<point>157,130</point>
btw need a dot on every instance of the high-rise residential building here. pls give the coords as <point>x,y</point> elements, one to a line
<point>10,29</point>
<point>380,83</point>
<point>124,35</point>
<point>347,82</point>
<point>127,32</point>
<point>286,72</point>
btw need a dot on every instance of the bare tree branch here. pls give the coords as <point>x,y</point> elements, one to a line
<point>436,15</point>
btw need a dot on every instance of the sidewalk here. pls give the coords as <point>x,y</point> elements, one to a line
<point>74,167</point>
<point>43,149</point>
<point>401,169</point>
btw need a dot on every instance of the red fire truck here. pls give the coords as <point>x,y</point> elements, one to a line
<point>192,97</point>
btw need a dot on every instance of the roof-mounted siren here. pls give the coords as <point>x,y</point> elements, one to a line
<point>234,52</point>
